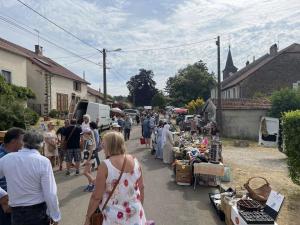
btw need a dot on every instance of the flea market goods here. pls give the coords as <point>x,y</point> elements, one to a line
<point>214,152</point>
<point>260,194</point>
<point>248,205</point>
<point>256,217</point>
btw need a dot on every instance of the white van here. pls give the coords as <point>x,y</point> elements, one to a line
<point>96,111</point>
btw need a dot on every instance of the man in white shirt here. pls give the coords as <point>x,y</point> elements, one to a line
<point>31,186</point>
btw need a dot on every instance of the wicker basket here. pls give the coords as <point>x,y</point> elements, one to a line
<point>260,194</point>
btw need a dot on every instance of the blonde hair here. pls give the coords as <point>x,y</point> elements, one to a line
<point>114,143</point>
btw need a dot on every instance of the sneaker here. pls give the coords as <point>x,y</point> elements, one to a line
<point>91,188</point>
<point>68,173</point>
<point>87,188</point>
<point>77,172</point>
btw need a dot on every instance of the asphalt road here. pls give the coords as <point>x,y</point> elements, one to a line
<point>165,202</point>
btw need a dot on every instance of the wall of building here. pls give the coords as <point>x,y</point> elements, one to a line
<point>241,123</point>
<point>281,72</point>
<point>63,85</point>
<point>93,98</point>
<point>36,82</point>
<point>15,64</point>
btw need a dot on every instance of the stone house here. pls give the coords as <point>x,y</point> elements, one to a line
<point>55,86</point>
<point>271,72</point>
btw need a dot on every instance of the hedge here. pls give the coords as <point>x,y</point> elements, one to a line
<point>291,134</point>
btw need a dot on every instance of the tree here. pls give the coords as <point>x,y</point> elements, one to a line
<point>195,106</point>
<point>190,83</point>
<point>142,88</point>
<point>159,100</point>
<point>283,101</point>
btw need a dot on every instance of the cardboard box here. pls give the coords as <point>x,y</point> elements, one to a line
<point>184,178</point>
<point>209,169</point>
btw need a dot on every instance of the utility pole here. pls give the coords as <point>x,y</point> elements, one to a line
<point>104,76</point>
<point>219,105</point>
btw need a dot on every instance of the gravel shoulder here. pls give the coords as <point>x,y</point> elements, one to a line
<point>271,164</point>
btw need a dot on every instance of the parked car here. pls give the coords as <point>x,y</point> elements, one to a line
<point>96,111</point>
<point>186,123</point>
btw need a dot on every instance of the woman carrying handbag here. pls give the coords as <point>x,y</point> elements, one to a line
<point>119,189</point>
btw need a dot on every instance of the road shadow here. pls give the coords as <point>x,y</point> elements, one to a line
<point>75,193</point>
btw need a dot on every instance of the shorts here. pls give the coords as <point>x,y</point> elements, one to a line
<point>86,154</point>
<point>61,153</point>
<point>73,154</point>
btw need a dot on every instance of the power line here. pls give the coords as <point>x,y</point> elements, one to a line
<point>50,42</point>
<point>60,27</point>
<point>169,47</point>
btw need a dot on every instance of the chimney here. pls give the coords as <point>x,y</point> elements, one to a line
<point>247,63</point>
<point>38,50</point>
<point>83,75</point>
<point>253,58</point>
<point>273,49</point>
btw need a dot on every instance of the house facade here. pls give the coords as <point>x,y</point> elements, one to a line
<point>94,95</point>
<point>55,86</point>
<point>271,72</point>
<point>13,66</point>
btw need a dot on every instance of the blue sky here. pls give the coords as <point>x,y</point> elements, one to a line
<point>250,27</point>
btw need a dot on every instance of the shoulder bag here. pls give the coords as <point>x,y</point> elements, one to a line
<point>64,143</point>
<point>97,217</point>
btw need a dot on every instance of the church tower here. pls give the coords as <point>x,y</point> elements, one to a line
<point>229,68</point>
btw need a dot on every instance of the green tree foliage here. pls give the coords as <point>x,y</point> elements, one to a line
<point>142,88</point>
<point>12,110</point>
<point>291,131</point>
<point>283,101</point>
<point>159,100</point>
<point>190,83</point>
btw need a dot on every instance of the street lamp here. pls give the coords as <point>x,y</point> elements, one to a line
<point>104,71</point>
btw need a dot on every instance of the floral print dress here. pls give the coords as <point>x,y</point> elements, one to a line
<point>125,206</point>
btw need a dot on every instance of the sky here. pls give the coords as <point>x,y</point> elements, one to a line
<point>159,35</point>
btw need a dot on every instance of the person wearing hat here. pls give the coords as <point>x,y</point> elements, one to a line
<point>116,127</point>
<point>89,151</point>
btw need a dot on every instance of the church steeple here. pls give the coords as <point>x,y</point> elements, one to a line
<point>229,68</point>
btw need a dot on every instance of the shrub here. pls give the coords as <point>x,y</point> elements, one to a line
<point>31,116</point>
<point>11,113</point>
<point>291,132</point>
<point>54,113</point>
<point>195,106</point>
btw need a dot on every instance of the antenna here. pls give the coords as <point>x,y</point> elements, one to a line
<point>38,35</point>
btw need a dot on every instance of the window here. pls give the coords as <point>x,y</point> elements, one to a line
<point>234,95</point>
<point>62,102</point>
<point>77,86</point>
<point>6,75</point>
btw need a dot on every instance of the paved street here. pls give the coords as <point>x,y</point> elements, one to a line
<point>165,202</point>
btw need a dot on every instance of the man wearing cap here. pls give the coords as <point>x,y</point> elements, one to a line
<point>13,141</point>
<point>72,137</point>
<point>116,127</point>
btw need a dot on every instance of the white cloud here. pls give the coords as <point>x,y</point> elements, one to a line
<point>251,25</point>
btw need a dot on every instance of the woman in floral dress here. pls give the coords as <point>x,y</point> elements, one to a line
<point>126,204</point>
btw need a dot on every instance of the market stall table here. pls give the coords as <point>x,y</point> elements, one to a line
<point>208,169</point>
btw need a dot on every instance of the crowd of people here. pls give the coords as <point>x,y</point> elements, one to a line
<point>28,191</point>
